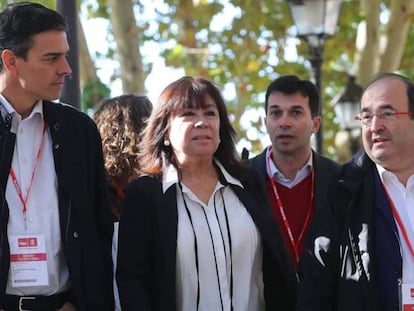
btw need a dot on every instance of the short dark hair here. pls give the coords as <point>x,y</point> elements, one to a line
<point>291,84</point>
<point>19,22</point>
<point>408,83</point>
<point>187,92</point>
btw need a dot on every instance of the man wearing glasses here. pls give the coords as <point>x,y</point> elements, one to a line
<point>362,256</point>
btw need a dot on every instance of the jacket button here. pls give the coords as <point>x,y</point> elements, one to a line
<point>75,234</point>
<point>56,146</point>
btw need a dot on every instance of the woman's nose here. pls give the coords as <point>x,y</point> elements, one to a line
<point>200,121</point>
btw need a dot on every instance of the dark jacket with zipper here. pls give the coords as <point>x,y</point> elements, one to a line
<point>353,260</point>
<point>85,218</point>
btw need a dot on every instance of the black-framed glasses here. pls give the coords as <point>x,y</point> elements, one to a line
<point>386,116</point>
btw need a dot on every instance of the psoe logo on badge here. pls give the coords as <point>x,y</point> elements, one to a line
<point>27,242</point>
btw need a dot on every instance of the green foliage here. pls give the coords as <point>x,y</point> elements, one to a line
<point>255,48</point>
<point>48,3</point>
<point>407,60</point>
<point>93,93</point>
<point>246,50</point>
<point>97,9</point>
<point>250,48</point>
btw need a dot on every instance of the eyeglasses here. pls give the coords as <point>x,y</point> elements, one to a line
<point>384,116</point>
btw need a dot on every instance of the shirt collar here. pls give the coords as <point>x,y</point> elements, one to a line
<point>6,104</point>
<point>386,176</point>
<point>273,171</point>
<point>170,176</point>
<point>16,118</point>
<point>381,171</point>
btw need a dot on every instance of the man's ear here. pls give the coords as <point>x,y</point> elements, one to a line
<point>9,61</point>
<point>316,123</point>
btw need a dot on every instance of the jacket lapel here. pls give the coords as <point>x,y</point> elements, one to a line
<point>60,142</point>
<point>168,220</point>
<point>383,209</point>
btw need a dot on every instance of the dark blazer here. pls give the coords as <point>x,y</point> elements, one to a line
<point>146,272</point>
<point>362,262</point>
<point>324,169</point>
<point>85,217</point>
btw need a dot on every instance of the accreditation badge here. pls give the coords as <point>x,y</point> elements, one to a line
<point>28,264</point>
<point>407,296</point>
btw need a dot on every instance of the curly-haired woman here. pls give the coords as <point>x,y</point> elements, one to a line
<point>120,121</point>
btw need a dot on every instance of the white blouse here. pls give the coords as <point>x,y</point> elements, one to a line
<point>219,250</point>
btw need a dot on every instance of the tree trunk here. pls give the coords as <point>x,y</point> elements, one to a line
<point>92,89</point>
<point>127,40</point>
<point>368,42</point>
<point>87,67</point>
<point>400,20</point>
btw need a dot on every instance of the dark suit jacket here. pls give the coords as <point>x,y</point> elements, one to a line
<point>85,217</point>
<point>146,272</point>
<point>324,170</point>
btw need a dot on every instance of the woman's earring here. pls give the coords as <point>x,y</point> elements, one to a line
<point>166,142</point>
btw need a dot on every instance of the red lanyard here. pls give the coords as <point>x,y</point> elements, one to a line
<point>399,221</point>
<point>118,188</point>
<point>286,224</point>
<point>16,183</point>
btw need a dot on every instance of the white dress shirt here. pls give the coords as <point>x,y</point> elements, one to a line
<point>209,227</point>
<point>277,175</point>
<point>42,202</point>
<point>403,200</point>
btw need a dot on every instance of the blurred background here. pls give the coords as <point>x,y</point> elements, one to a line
<point>140,46</point>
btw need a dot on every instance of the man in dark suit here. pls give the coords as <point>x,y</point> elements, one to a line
<point>294,175</point>
<point>361,257</point>
<point>55,225</point>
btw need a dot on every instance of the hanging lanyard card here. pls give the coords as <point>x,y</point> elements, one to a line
<point>28,262</point>
<point>407,296</point>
